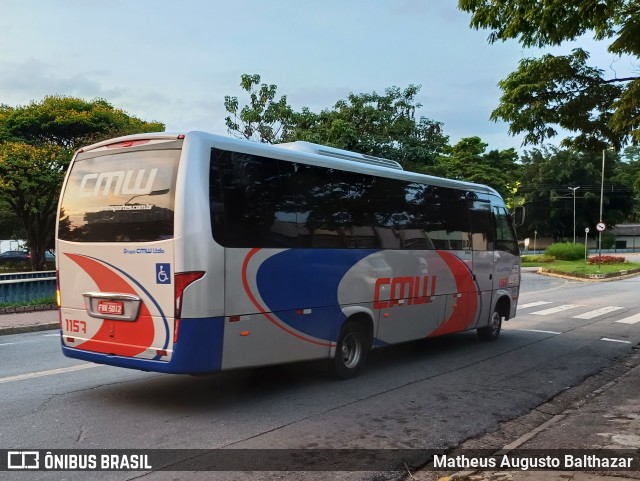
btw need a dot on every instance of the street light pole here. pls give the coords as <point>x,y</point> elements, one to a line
<point>574,212</point>
<point>601,197</point>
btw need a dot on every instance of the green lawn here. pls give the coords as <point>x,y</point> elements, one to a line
<point>582,267</point>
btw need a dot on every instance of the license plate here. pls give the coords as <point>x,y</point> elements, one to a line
<point>111,307</point>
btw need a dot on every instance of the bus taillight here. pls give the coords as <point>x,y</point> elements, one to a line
<point>58,298</point>
<point>182,281</point>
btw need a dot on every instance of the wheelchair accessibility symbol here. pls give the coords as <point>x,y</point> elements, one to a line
<point>163,274</point>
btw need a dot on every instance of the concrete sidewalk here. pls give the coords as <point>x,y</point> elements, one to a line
<point>29,322</point>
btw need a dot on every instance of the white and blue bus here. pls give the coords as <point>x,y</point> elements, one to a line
<point>197,253</point>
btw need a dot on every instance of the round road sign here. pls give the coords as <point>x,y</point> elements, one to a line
<point>601,227</point>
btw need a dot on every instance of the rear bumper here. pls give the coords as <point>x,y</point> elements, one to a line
<point>198,350</point>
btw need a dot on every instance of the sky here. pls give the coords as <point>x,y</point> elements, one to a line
<point>173,61</point>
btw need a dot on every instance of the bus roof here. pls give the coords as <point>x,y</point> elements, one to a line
<point>304,152</point>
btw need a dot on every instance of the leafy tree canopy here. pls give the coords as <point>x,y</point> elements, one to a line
<point>36,144</point>
<point>369,123</point>
<point>564,90</point>
<point>546,177</point>
<point>68,122</point>
<point>468,160</point>
<point>375,124</point>
<point>30,179</point>
<point>264,119</point>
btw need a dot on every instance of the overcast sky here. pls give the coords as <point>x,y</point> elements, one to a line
<point>174,61</point>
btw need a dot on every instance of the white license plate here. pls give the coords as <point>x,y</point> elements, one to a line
<point>111,307</point>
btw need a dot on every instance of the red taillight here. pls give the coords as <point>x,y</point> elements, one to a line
<point>181,281</point>
<point>58,298</point>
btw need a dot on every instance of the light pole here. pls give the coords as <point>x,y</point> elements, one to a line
<point>601,197</point>
<point>535,237</point>
<point>574,211</point>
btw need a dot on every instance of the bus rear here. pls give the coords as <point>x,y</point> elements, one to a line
<point>119,293</point>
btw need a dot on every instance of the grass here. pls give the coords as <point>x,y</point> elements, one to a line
<point>42,301</point>
<point>580,267</point>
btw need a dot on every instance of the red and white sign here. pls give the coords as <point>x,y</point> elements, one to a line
<point>601,227</point>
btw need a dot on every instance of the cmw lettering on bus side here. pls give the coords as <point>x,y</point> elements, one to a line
<point>417,290</point>
<point>117,182</point>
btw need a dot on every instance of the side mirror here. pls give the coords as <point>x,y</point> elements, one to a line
<point>519,215</point>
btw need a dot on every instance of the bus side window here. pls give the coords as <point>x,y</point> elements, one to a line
<point>248,186</point>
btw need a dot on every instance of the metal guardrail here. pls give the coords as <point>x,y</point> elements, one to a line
<point>26,286</point>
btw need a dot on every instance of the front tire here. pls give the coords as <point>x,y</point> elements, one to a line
<point>351,351</point>
<point>492,330</point>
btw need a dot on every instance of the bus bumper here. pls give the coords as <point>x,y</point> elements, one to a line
<point>198,350</point>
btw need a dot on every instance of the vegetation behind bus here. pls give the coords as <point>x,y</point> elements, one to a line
<point>36,145</point>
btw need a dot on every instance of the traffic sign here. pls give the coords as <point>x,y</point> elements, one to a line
<point>601,227</point>
<point>586,230</point>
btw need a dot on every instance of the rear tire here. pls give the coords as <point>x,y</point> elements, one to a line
<point>492,330</point>
<point>351,351</point>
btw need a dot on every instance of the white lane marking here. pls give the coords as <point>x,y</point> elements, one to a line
<point>534,304</point>
<point>538,330</point>
<point>597,312</point>
<point>51,335</point>
<point>554,310</point>
<point>630,320</point>
<point>8,343</point>
<point>51,372</point>
<point>615,340</point>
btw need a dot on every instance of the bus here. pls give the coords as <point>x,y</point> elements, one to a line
<point>196,253</point>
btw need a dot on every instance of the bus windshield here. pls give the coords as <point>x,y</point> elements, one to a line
<point>120,197</point>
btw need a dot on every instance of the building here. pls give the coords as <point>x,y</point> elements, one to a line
<point>627,236</point>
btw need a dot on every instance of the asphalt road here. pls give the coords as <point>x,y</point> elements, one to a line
<point>431,394</point>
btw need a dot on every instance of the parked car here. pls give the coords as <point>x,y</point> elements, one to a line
<point>14,256</point>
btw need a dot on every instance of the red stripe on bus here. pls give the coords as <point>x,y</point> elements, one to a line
<point>464,312</point>
<point>137,335</point>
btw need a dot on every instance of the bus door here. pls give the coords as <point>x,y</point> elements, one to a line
<point>115,249</point>
<point>482,237</point>
<point>506,257</point>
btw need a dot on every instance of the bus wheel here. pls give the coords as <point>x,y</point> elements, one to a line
<point>491,331</point>
<point>351,351</point>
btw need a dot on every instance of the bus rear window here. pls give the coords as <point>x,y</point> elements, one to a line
<point>120,197</point>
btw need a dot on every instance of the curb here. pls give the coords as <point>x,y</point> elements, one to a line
<point>545,272</point>
<point>5,331</point>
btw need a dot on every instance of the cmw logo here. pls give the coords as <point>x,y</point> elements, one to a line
<point>117,182</point>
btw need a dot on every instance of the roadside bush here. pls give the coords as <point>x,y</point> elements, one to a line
<point>566,251</point>
<point>607,260</point>
<point>538,259</point>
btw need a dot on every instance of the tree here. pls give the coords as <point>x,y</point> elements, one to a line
<point>628,173</point>
<point>36,143</point>
<point>563,90</point>
<point>379,125</point>
<point>10,226</point>
<point>469,161</point>
<point>68,122</point>
<point>30,179</point>
<point>547,175</point>
<point>264,119</point>
<point>369,123</point>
